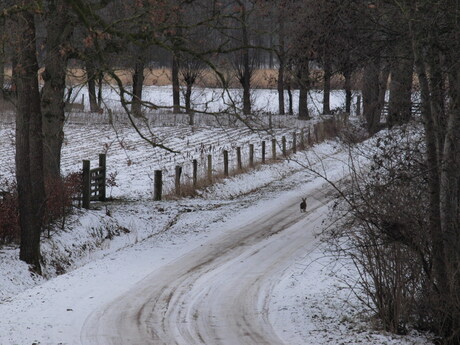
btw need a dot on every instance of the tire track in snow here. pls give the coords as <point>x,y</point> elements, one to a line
<point>218,293</point>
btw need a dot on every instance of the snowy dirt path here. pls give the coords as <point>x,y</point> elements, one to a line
<point>217,293</point>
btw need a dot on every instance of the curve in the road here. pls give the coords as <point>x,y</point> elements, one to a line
<point>217,294</point>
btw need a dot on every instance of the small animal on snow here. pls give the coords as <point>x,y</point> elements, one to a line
<point>303,205</point>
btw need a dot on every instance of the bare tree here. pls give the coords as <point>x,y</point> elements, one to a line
<point>29,142</point>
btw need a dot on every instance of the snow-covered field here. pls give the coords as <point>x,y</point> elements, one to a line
<point>107,250</point>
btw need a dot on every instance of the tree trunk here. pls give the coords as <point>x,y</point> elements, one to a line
<point>29,144</point>
<point>270,53</point>
<point>100,81</point>
<point>246,81</point>
<point>303,78</point>
<point>58,34</point>
<point>433,179</point>
<point>399,105</point>
<point>438,97</point>
<point>91,79</point>
<point>188,98</point>
<point>2,59</point>
<point>348,93</point>
<point>281,88</point>
<point>383,84</point>
<point>371,108</point>
<point>138,83</point>
<point>281,58</point>
<point>291,103</point>
<point>175,84</point>
<point>450,193</point>
<point>327,86</point>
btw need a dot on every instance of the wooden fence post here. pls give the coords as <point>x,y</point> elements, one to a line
<point>103,172</point>
<point>283,145</point>
<point>294,142</point>
<point>263,152</point>
<point>310,140</point>
<point>251,155</point>
<point>238,158</point>
<point>157,185</point>
<point>195,173</point>
<point>209,168</point>
<point>225,162</point>
<point>177,181</point>
<point>274,149</point>
<point>86,195</point>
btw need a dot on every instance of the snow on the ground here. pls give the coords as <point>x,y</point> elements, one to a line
<point>313,306</point>
<point>216,100</point>
<point>102,252</point>
<point>108,249</point>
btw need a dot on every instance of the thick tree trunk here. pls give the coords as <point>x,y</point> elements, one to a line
<point>29,144</point>
<point>188,103</point>
<point>91,79</point>
<point>371,101</point>
<point>138,84</point>
<point>188,98</point>
<point>438,97</point>
<point>175,84</point>
<point>2,59</point>
<point>304,81</point>
<point>400,102</point>
<point>434,216</point>
<point>58,34</point>
<point>450,186</point>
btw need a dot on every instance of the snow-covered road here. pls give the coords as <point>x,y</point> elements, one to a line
<point>217,293</point>
<point>237,265</point>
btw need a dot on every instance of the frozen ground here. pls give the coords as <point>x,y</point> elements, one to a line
<point>105,256</point>
<point>103,253</point>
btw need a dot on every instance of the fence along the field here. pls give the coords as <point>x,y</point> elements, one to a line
<point>187,178</point>
<point>172,120</point>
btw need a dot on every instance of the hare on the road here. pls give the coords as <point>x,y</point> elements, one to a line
<point>303,205</point>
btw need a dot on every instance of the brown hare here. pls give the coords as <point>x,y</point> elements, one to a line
<point>303,205</point>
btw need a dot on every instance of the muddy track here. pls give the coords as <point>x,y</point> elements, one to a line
<point>218,293</point>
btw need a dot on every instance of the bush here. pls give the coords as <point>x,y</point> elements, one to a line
<point>385,232</point>
<point>9,216</point>
<point>61,196</point>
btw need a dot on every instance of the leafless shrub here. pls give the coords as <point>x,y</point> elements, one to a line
<point>385,231</point>
<point>61,194</point>
<point>9,216</point>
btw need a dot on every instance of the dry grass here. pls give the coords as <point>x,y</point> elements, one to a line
<point>262,78</point>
